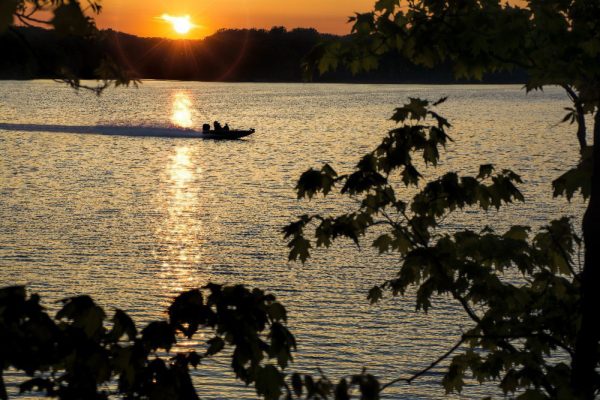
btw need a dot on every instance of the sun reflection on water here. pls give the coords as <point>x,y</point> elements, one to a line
<point>181,233</point>
<point>182,115</point>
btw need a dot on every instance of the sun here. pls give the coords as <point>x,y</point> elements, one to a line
<point>181,25</point>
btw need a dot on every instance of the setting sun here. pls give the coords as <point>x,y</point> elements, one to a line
<point>181,25</point>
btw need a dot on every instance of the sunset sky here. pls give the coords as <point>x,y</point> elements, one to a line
<point>143,17</point>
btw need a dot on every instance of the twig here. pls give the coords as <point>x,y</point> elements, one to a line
<point>428,368</point>
<point>23,18</point>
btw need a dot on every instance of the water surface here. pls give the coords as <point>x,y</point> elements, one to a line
<point>133,221</point>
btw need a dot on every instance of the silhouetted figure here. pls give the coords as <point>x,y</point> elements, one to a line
<point>226,128</point>
<point>205,127</point>
<point>217,126</point>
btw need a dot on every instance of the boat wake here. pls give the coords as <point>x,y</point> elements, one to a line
<point>124,130</point>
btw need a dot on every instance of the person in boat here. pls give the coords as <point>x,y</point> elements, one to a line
<point>218,127</point>
<point>226,128</point>
<point>206,128</point>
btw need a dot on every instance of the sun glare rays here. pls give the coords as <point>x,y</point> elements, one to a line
<point>180,24</point>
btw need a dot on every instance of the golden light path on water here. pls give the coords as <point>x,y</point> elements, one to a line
<point>180,233</point>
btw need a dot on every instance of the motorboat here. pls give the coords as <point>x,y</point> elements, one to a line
<point>171,132</point>
<point>138,131</point>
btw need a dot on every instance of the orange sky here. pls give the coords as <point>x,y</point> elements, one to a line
<point>140,17</point>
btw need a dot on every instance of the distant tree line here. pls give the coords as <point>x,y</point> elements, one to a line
<point>249,55</point>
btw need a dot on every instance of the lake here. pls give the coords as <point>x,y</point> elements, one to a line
<point>132,221</point>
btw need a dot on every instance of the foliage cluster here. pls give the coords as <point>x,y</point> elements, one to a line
<point>557,43</point>
<point>77,355</point>
<point>68,19</point>
<point>522,332</point>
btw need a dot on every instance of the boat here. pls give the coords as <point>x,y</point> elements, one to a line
<point>138,131</point>
<point>171,132</point>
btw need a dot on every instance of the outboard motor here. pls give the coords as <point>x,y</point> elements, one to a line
<point>205,127</point>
